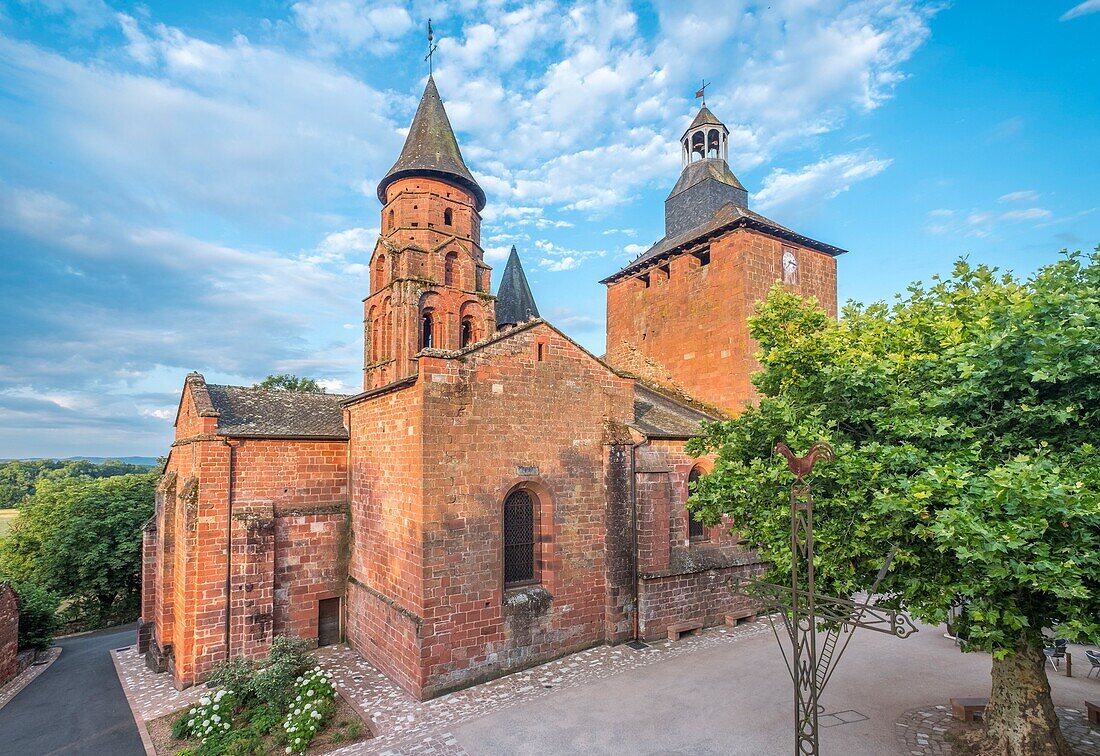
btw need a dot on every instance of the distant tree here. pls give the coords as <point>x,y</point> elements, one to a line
<point>81,538</point>
<point>288,382</point>
<point>964,419</point>
<point>19,477</point>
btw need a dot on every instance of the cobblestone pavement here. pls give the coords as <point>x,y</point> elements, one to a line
<point>923,732</point>
<point>24,678</point>
<point>408,727</point>
<point>152,694</point>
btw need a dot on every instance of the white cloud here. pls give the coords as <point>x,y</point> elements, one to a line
<point>1031,213</point>
<point>351,25</point>
<point>1081,9</point>
<point>812,184</point>
<point>1026,195</point>
<point>337,245</point>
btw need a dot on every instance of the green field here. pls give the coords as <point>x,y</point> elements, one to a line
<point>6,518</point>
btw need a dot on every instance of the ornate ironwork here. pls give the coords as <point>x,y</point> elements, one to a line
<point>804,611</point>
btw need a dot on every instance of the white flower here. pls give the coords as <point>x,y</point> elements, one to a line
<point>289,749</point>
<point>309,692</point>
<point>205,700</point>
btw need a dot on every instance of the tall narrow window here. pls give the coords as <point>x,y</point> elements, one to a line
<point>448,217</point>
<point>391,220</point>
<point>696,530</point>
<point>427,336</point>
<point>466,332</point>
<point>519,539</point>
<point>449,268</point>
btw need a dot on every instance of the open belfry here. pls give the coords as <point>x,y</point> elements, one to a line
<point>496,496</point>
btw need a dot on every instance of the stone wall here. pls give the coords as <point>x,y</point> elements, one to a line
<point>688,328</point>
<point>385,583</point>
<point>534,411</point>
<point>9,633</point>
<point>680,578</point>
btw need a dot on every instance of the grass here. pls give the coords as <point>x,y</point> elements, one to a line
<point>7,516</point>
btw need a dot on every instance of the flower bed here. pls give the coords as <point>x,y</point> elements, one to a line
<point>280,705</point>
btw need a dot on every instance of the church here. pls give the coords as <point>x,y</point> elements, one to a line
<point>496,496</point>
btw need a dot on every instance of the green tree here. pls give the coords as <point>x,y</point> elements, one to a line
<point>18,477</point>
<point>963,417</point>
<point>38,622</point>
<point>81,538</point>
<point>288,382</point>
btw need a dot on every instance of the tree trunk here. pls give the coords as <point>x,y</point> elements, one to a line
<point>1020,719</point>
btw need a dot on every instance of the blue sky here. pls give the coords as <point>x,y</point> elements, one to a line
<point>190,186</point>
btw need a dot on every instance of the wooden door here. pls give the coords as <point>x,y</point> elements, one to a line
<point>328,621</point>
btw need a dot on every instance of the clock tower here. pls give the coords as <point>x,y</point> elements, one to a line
<point>677,316</point>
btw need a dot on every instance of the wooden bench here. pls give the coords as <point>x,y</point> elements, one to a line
<point>677,629</point>
<point>735,618</point>
<point>1093,709</point>
<point>968,709</point>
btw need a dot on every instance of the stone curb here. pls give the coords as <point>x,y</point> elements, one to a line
<point>14,686</point>
<point>143,731</point>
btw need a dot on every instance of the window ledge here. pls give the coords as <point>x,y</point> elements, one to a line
<point>527,598</point>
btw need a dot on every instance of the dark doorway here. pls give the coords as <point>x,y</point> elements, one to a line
<point>328,621</point>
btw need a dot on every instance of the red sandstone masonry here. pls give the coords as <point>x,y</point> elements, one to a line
<point>9,633</point>
<point>689,330</point>
<point>493,420</point>
<point>385,583</point>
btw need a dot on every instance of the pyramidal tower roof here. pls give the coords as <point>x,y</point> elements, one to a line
<point>431,150</point>
<point>515,304</point>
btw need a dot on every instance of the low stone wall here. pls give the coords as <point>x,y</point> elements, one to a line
<point>9,633</point>
<point>707,596</point>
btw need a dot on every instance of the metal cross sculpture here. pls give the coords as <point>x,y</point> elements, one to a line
<point>802,609</point>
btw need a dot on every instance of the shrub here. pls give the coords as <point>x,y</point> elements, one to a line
<point>234,674</point>
<point>212,716</point>
<point>310,709</point>
<point>38,621</point>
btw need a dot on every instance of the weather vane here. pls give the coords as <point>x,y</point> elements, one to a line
<point>432,47</point>
<point>702,91</point>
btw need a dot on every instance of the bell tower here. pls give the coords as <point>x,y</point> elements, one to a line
<point>429,284</point>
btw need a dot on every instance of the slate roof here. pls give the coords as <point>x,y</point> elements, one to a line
<point>432,150</point>
<point>701,170</point>
<point>515,303</point>
<point>660,416</point>
<point>704,118</point>
<point>260,413</point>
<point>727,218</point>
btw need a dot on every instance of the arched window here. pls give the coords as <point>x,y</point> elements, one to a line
<point>379,273</point>
<point>427,336</point>
<point>448,217</point>
<point>466,332</point>
<point>698,147</point>
<point>519,538</point>
<point>390,228</point>
<point>713,144</point>
<point>696,530</point>
<point>449,268</point>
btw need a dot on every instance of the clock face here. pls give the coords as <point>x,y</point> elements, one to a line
<point>789,263</point>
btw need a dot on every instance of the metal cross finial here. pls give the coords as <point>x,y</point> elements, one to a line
<point>432,47</point>
<point>702,91</point>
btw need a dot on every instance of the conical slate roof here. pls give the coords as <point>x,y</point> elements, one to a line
<point>703,118</point>
<point>514,301</point>
<point>432,150</point>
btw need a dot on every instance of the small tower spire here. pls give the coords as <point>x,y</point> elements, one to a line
<point>515,303</point>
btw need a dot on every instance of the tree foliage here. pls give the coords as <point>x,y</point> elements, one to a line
<point>18,477</point>
<point>288,382</point>
<point>964,419</point>
<point>38,621</point>
<point>81,539</point>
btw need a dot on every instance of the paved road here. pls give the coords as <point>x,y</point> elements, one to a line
<point>76,706</point>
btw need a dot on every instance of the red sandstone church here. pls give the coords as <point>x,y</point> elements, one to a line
<point>496,496</point>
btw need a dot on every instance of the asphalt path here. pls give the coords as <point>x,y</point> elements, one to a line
<point>76,706</point>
